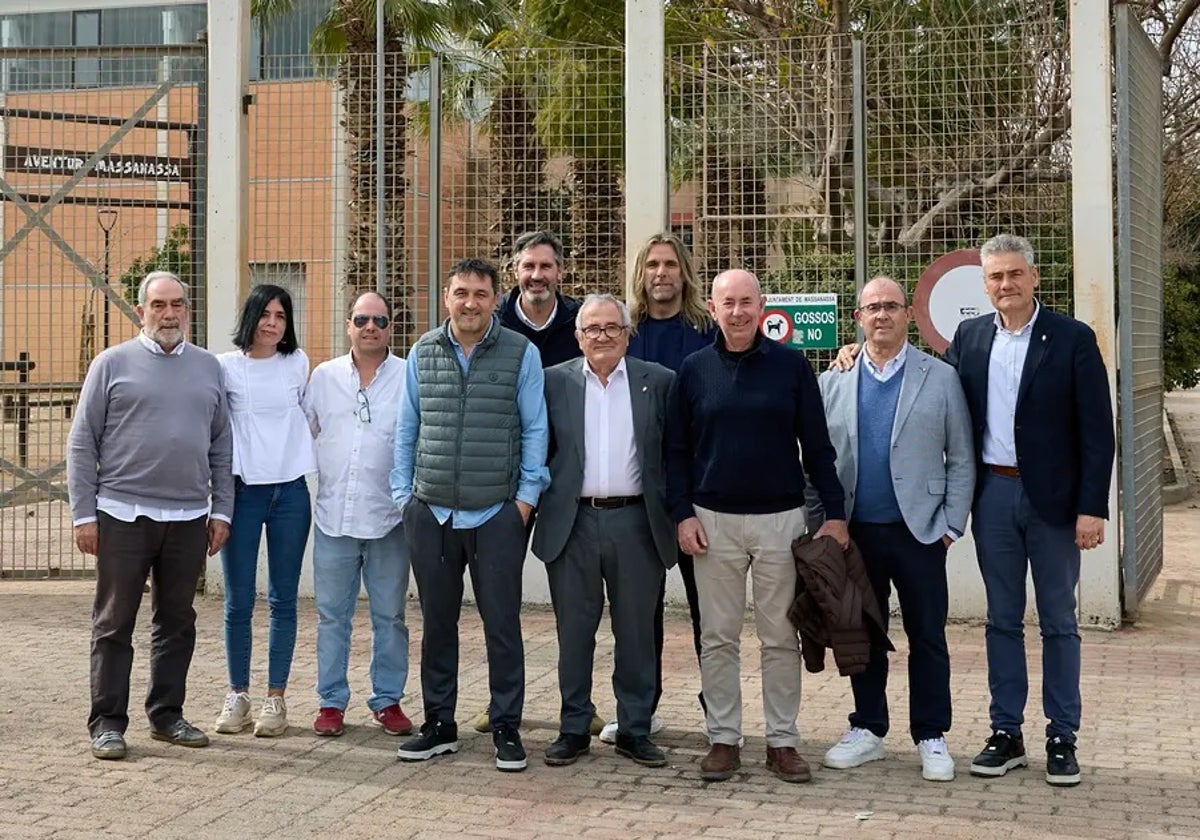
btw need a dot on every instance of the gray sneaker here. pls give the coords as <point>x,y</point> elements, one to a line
<point>109,745</point>
<point>182,734</point>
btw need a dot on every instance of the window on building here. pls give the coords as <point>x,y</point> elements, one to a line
<point>85,32</point>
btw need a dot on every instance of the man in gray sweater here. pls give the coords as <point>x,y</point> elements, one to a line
<point>150,443</point>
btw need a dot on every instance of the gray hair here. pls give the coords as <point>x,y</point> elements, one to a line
<point>595,300</point>
<point>1007,243</point>
<point>535,238</point>
<point>161,275</point>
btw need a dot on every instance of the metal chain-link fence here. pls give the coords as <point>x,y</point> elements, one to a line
<point>102,179</point>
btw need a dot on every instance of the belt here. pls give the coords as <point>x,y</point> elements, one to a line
<point>1011,472</point>
<point>609,502</point>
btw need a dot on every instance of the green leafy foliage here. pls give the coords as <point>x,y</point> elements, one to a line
<point>174,255</point>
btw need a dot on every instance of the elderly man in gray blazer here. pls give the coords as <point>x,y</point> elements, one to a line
<point>603,524</point>
<point>905,457</point>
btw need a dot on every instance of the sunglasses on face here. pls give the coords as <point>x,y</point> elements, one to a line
<point>380,321</point>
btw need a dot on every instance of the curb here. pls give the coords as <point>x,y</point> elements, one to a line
<point>1179,491</point>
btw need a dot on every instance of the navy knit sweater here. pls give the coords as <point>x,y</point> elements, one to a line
<point>556,343</point>
<point>736,425</point>
<point>668,341</point>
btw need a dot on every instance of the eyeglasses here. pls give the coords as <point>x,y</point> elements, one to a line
<point>888,306</point>
<point>611,330</point>
<point>364,404</point>
<point>380,321</point>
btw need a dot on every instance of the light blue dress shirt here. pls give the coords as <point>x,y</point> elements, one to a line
<point>535,438</point>
<point>1005,365</point>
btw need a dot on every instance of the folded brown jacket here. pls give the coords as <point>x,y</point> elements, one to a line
<point>834,606</point>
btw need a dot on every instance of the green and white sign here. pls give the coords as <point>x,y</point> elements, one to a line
<point>806,322</point>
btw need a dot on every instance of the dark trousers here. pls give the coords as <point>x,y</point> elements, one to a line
<point>1011,540</point>
<point>613,550</point>
<point>172,555</point>
<point>687,570</point>
<point>893,556</point>
<point>439,555</point>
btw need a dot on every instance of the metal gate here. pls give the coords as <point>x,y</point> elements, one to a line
<point>101,180</point>
<point>1140,279</point>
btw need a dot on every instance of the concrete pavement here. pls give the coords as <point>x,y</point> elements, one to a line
<point>1140,745</point>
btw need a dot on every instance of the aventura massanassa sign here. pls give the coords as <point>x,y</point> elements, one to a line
<point>64,162</point>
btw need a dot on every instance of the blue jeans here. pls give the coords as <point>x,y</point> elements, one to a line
<point>1010,537</point>
<point>286,511</point>
<point>340,564</point>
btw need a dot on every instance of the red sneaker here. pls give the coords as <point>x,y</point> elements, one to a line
<point>393,720</point>
<point>329,721</point>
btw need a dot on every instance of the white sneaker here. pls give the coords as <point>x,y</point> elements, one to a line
<point>235,714</point>
<point>608,734</point>
<point>936,763</point>
<point>858,746</point>
<point>272,720</point>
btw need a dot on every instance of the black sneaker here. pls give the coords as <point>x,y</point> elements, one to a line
<point>1062,770</point>
<point>510,755</point>
<point>436,738</point>
<point>1003,752</point>
<point>566,749</point>
<point>641,750</point>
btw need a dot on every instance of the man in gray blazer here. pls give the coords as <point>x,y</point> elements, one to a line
<point>906,460</point>
<point>603,524</point>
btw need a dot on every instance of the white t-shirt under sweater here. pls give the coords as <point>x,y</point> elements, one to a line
<point>272,442</point>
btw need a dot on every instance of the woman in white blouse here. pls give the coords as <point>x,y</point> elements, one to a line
<point>273,450</point>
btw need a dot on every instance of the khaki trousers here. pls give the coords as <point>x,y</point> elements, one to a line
<point>760,544</point>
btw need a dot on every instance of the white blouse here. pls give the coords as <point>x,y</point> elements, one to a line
<point>272,442</point>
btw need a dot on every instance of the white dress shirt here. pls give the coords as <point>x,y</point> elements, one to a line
<point>127,512</point>
<point>610,459</point>
<point>890,368</point>
<point>525,318</point>
<point>1005,364</point>
<point>355,437</point>
<point>272,443</point>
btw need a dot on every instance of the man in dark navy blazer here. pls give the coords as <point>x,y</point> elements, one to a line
<point>1038,393</point>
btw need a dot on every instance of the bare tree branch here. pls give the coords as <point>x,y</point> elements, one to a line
<point>1182,16</point>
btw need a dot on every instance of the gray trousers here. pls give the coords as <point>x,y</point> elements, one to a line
<point>172,555</point>
<point>495,554</point>
<point>613,549</point>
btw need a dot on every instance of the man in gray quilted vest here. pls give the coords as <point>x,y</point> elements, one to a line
<point>471,443</point>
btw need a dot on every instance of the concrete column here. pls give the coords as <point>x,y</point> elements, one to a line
<point>646,191</point>
<point>226,241</point>
<point>1092,240</point>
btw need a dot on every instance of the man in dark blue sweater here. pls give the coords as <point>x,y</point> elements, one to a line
<point>534,307</point>
<point>671,322</point>
<point>740,413</point>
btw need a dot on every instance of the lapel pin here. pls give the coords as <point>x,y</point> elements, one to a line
<point>645,389</point>
<point>1043,336</point>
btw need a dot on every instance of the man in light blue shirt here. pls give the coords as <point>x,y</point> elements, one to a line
<point>470,464</point>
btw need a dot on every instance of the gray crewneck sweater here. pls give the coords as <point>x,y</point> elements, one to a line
<point>151,429</point>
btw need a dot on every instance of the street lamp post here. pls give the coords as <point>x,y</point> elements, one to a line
<point>106,217</point>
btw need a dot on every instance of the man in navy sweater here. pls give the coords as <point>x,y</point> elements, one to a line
<point>534,307</point>
<point>740,413</point>
<point>671,322</point>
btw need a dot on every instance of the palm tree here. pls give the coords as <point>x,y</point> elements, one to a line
<point>345,41</point>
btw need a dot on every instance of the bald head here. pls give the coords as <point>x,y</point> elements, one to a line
<point>737,307</point>
<point>891,289</point>
<point>736,278</point>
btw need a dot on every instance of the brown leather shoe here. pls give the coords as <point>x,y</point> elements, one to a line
<point>787,764</point>
<point>719,764</point>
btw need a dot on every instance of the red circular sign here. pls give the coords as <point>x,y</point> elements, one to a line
<point>776,324</point>
<point>937,270</point>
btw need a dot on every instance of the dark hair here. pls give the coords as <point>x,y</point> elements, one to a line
<point>252,310</point>
<point>474,265</point>
<point>387,304</point>
<point>539,237</point>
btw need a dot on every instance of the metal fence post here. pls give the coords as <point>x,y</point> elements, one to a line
<point>861,197</point>
<point>435,187</point>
